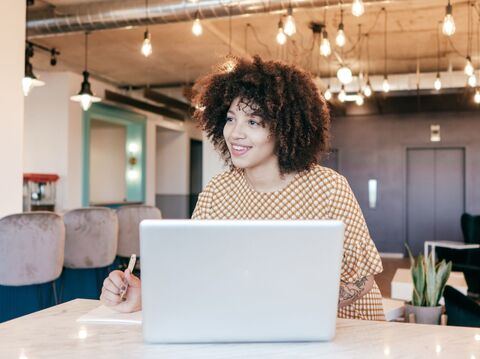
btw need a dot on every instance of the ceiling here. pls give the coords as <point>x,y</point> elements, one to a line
<point>180,57</point>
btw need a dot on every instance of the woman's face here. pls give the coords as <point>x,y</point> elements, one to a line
<point>248,137</point>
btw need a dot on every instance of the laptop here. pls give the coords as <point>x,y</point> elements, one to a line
<point>210,281</point>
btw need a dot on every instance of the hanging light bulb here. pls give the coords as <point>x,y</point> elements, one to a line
<point>328,94</point>
<point>438,83</point>
<point>281,37</point>
<point>448,22</point>
<point>476,97</point>
<point>85,96</point>
<point>468,66</point>
<point>325,48</point>
<point>197,29</point>
<point>472,80</point>
<point>359,100</point>
<point>340,40</point>
<point>342,95</point>
<point>289,29</point>
<point>344,75</point>
<point>385,85</point>
<point>147,44</point>
<point>367,90</point>
<point>29,80</point>
<point>357,8</point>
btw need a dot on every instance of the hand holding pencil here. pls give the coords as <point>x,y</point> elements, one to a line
<point>122,290</point>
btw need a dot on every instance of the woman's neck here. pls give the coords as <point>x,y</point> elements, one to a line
<point>267,180</point>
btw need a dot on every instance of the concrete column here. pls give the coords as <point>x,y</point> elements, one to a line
<point>12,41</point>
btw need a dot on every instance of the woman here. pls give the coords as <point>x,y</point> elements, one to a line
<point>271,126</point>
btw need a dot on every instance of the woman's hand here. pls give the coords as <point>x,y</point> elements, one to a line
<point>114,285</point>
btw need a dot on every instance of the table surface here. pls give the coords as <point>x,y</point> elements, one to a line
<point>54,333</point>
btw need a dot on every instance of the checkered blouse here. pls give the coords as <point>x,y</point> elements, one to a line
<point>319,193</point>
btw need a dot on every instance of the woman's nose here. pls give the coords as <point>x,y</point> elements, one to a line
<point>238,131</point>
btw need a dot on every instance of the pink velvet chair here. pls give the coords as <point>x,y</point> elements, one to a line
<point>32,253</point>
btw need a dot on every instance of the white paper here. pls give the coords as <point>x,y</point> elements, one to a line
<point>105,315</point>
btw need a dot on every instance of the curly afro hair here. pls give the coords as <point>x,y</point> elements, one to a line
<point>288,100</point>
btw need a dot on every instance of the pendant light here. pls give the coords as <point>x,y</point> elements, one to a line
<point>325,48</point>
<point>340,39</point>
<point>358,8</point>
<point>197,29</point>
<point>344,75</point>
<point>367,89</point>
<point>85,96</point>
<point>385,84</point>
<point>29,80</point>
<point>448,22</point>
<point>281,37</point>
<point>476,97</point>
<point>289,28</point>
<point>147,37</point>
<point>438,82</point>
<point>468,69</point>
<point>359,100</point>
<point>328,94</point>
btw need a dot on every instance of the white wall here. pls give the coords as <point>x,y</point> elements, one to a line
<point>107,163</point>
<point>46,129</point>
<point>173,166</point>
<point>12,38</point>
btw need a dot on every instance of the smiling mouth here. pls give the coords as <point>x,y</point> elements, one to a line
<point>238,150</point>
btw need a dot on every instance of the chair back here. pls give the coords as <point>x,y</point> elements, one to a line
<point>129,218</point>
<point>91,237</point>
<point>31,248</point>
<point>461,310</point>
<point>470,228</point>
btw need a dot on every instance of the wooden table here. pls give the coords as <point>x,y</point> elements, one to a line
<point>54,333</point>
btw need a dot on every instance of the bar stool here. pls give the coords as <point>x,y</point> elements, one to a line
<point>129,218</point>
<point>31,251</point>
<point>90,247</point>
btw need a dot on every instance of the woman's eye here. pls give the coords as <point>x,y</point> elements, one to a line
<point>229,119</point>
<point>253,123</point>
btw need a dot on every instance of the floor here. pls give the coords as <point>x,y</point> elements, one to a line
<point>390,265</point>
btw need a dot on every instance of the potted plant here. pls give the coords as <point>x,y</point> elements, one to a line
<point>429,280</point>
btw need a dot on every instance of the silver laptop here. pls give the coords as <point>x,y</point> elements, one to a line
<point>239,281</point>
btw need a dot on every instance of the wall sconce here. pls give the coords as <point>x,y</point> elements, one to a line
<point>372,193</point>
<point>132,154</point>
<point>435,133</point>
<point>132,173</point>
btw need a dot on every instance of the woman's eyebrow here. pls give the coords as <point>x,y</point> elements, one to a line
<point>231,112</point>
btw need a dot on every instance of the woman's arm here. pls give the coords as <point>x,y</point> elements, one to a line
<point>350,292</point>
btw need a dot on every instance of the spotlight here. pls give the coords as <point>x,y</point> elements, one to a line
<point>438,83</point>
<point>468,69</point>
<point>325,48</point>
<point>281,37</point>
<point>367,90</point>
<point>342,96</point>
<point>328,94</point>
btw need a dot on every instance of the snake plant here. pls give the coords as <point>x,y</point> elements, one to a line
<point>429,279</point>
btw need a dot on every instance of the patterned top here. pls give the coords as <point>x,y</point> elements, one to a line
<point>319,193</point>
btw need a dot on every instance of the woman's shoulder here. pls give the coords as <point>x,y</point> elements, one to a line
<point>324,175</point>
<point>224,178</point>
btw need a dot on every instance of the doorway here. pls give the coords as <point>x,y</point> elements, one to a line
<point>196,150</point>
<point>435,195</point>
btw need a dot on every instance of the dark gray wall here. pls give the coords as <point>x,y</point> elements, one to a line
<point>375,146</point>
